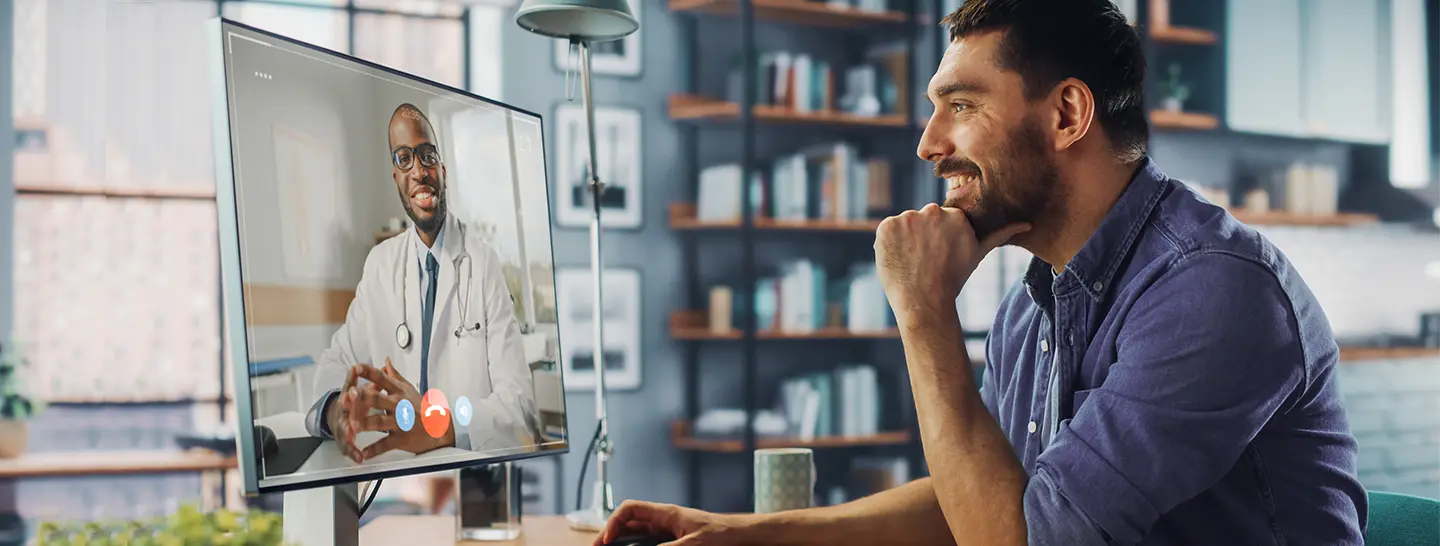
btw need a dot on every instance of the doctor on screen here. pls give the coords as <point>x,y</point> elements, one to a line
<point>431,316</point>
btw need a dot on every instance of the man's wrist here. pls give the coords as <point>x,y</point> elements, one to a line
<point>914,314</point>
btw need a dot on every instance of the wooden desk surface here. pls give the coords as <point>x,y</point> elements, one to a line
<point>433,530</point>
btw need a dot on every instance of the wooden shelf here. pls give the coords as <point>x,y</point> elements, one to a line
<point>1162,31</point>
<point>119,400</point>
<point>1282,218</point>
<point>683,217</point>
<point>680,436</point>
<point>1183,35</point>
<point>1166,119</point>
<point>85,463</point>
<point>697,108</point>
<point>694,326</point>
<point>1353,354</point>
<point>796,12</point>
<point>172,192</point>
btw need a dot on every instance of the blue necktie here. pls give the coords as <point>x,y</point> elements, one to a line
<point>427,313</point>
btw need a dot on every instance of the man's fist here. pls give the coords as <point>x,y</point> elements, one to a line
<point>924,257</point>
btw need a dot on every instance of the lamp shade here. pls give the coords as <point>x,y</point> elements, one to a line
<point>584,20</point>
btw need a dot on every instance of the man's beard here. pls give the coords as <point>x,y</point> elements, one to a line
<point>1021,187</point>
<point>432,225</point>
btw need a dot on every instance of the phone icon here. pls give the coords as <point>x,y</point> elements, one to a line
<point>435,413</point>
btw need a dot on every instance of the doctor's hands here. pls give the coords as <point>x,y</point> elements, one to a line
<point>384,392</point>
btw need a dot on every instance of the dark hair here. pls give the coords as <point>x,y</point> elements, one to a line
<point>1047,41</point>
<point>409,110</point>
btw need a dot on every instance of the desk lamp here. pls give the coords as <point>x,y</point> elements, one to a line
<point>584,22</point>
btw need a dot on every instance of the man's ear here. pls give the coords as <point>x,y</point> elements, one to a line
<point>1074,109</point>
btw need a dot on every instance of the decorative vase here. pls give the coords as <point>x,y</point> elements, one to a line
<point>13,438</point>
<point>1174,104</point>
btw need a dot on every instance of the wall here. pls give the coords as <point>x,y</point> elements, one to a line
<point>645,464</point>
<point>363,197</point>
<point>7,172</point>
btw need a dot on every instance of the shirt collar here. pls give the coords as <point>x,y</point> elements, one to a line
<point>1096,263</point>
<point>421,249</point>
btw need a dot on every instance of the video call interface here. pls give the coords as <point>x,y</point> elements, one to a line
<point>395,266</point>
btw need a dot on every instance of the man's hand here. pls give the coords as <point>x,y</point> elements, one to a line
<point>385,390</point>
<point>925,257</point>
<point>691,527</point>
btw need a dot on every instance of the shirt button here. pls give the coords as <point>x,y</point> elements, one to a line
<point>1044,346</point>
<point>1032,427</point>
<point>1099,286</point>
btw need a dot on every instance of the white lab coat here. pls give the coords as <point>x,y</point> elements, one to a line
<point>486,365</point>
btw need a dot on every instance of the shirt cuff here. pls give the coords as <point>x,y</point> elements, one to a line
<point>1050,517</point>
<point>315,422</point>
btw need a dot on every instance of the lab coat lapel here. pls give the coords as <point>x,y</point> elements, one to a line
<point>445,291</point>
<point>409,361</point>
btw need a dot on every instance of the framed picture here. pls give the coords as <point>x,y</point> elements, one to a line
<point>617,134</point>
<point>577,329</point>
<point>613,58</point>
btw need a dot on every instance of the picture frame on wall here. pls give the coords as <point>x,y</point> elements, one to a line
<point>613,58</point>
<point>622,327</point>
<point>617,132</point>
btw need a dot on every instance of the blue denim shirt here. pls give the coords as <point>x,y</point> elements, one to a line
<point>1174,384</point>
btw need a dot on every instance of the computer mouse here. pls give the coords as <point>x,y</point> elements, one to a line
<point>640,540</point>
<point>265,442</point>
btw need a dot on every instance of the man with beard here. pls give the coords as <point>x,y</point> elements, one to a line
<point>417,289</point>
<point>1161,375</point>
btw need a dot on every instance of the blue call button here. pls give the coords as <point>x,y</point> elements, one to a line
<point>462,411</point>
<point>405,415</point>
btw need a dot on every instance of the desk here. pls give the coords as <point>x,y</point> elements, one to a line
<point>327,462</point>
<point>432,530</point>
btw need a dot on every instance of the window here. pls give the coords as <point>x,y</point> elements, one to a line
<point>116,261</point>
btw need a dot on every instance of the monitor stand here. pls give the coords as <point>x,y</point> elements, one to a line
<point>324,516</point>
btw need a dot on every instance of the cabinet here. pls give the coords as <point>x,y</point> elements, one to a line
<point>1264,82</point>
<point>1309,68</point>
<point>1347,69</point>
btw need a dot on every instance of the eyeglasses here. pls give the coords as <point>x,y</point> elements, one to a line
<point>404,156</point>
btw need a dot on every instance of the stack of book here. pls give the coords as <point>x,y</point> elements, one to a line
<point>828,182</point>
<point>803,299</point>
<point>803,84</point>
<point>844,402</point>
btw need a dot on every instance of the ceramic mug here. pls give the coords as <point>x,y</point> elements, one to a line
<point>784,479</point>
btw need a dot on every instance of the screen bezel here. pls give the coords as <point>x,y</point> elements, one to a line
<point>233,312</point>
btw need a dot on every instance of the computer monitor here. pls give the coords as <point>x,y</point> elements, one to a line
<point>388,279</point>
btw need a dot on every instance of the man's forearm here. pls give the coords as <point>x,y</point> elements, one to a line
<point>978,482</point>
<point>905,515</point>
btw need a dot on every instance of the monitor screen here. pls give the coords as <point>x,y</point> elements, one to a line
<point>388,277</point>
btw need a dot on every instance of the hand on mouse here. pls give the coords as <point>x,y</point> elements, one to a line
<point>689,526</point>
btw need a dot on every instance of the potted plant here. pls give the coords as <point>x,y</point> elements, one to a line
<point>1176,91</point>
<point>187,527</point>
<point>16,406</point>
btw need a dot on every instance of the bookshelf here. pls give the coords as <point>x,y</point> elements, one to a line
<point>1283,218</point>
<point>742,107</point>
<point>1166,119</point>
<point>687,107</point>
<point>1183,35</point>
<point>682,436</point>
<point>683,217</point>
<point>796,12</point>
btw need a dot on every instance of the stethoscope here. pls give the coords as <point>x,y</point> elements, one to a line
<point>402,332</point>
